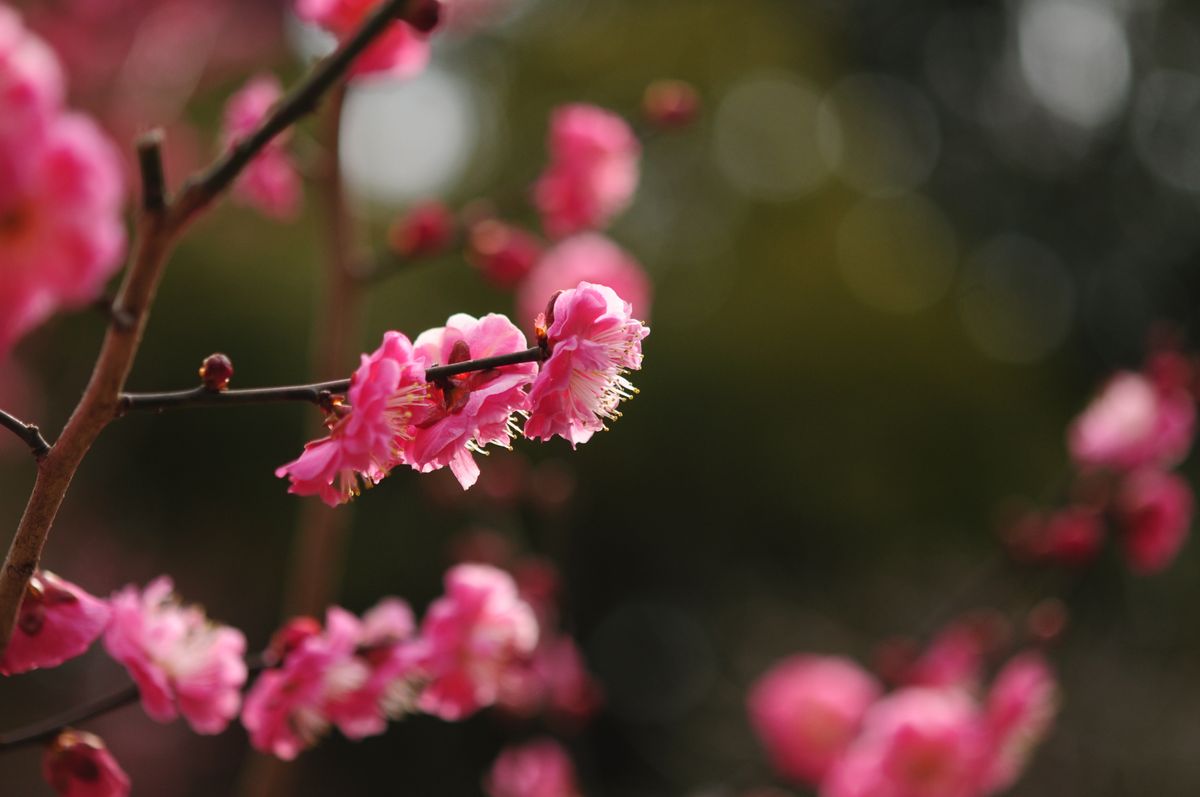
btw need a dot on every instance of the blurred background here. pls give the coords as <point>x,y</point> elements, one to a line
<point>892,258</point>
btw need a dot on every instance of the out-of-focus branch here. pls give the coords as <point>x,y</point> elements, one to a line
<point>29,433</point>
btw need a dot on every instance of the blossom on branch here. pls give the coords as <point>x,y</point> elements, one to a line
<point>57,621</point>
<point>593,171</point>
<point>401,51</point>
<point>1135,421</point>
<point>1020,709</point>
<point>465,413</point>
<point>270,182</point>
<point>540,768</point>
<point>181,661</point>
<point>593,341</point>
<point>1155,512</point>
<point>78,764</point>
<point>367,437</point>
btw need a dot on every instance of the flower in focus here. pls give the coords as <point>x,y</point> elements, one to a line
<point>470,637</point>
<point>365,439</point>
<point>1155,509</point>
<point>57,621</point>
<point>806,710</point>
<point>589,257</point>
<point>401,51</point>
<point>540,768</point>
<point>1134,421</point>
<point>182,662</point>
<point>593,341</point>
<point>1019,712</point>
<point>916,742</point>
<point>61,191</point>
<point>593,170</point>
<point>270,182</point>
<point>78,764</point>
<point>353,674</point>
<point>467,412</point>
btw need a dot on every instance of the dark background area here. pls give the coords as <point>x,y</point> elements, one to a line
<point>892,259</point>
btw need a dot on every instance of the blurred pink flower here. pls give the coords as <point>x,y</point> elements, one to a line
<point>504,253</point>
<point>270,183</point>
<point>353,674</point>
<point>470,637</point>
<point>57,621</point>
<point>401,51</point>
<point>555,680</point>
<point>540,768</point>
<point>1019,712</point>
<point>424,230</point>
<point>1155,509</point>
<point>806,710</point>
<point>182,662</point>
<point>589,257</point>
<point>466,413</point>
<point>366,438</point>
<point>593,170</point>
<point>61,191</point>
<point>594,340</point>
<point>1134,422</point>
<point>954,658</point>
<point>77,764</point>
<point>1071,536</point>
<point>916,742</point>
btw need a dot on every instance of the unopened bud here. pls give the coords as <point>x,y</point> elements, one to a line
<point>216,371</point>
<point>77,763</point>
<point>424,15</point>
<point>290,637</point>
<point>426,229</point>
<point>504,254</point>
<point>1048,620</point>
<point>670,104</point>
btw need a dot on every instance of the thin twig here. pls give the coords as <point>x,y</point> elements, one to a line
<point>316,393</point>
<point>29,433</point>
<point>150,163</point>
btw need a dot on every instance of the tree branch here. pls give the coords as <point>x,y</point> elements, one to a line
<point>30,435</point>
<point>316,393</point>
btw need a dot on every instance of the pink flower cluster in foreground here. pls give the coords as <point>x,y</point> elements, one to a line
<point>394,417</point>
<point>826,722</point>
<point>270,182</point>
<point>61,191</point>
<point>1125,446</point>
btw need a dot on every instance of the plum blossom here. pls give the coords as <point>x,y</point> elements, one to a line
<point>1155,509</point>
<point>554,680</point>
<point>1070,536</point>
<point>593,170</point>
<point>504,254</point>
<point>1134,421</point>
<point>61,191</point>
<point>470,638</point>
<point>540,768</point>
<point>78,764</point>
<point>366,438</point>
<point>400,52</point>
<point>57,621</point>
<point>588,257</point>
<point>270,182</point>
<point>182,662</point>
<point>465,413</point>
<point>1020,709</point>
<point>353,674</point>
<point>593,341</point>
<point>806,710</point>
<point>426,229</point>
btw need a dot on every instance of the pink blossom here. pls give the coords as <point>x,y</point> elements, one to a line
<point>401,51</point>
<point>271,182</point>
<point>807,710</point>
<point>555,680</point>
<point>916,742</point>
<point>471,636</point>
<point>466,413</point>
<point>426,229</point>
<point>353,674</point>
<point>593,170</point>
<point>365,439</point>
<point>77,764</point>
<point>1069,536</point>
<point>181,662</point>
<point>504,253</point>
<point>594,340</point>
<point>57,621</point>
<point>1134,422</point>
<point>31,86</point>
<point>1155,509</point>
<point>1020,710</point>
<point>585,258</point>
<point>954,658</point>
<point>540,768</point>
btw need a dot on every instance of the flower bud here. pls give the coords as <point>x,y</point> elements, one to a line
<point>216,371</point>
<point>424,15</point>
<point>504,254</point>
<point>425,230</point>
<point>77,764</point>
<point>670,104</point>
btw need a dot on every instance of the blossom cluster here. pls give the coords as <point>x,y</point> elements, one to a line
<point>61,190</point>
<point>393,416</point>
<point>827,722</point>
<point>1124,447</point>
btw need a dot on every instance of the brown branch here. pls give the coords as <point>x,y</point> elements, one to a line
<point>29,433</point>
<point>158,229</point>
